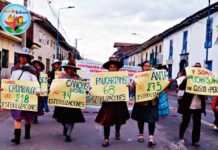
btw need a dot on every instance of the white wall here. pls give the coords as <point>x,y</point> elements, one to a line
<point>195,46</point>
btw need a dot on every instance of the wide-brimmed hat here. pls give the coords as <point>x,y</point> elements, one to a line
<point>113,60</point>
<point>40,63</point>
<point>71,64</point>
<point>56,61</point>
<point>26,51</point>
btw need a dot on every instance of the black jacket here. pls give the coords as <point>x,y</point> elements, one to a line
<point>187,100</point>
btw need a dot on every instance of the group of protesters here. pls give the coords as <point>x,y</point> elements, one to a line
<point>110,113</point>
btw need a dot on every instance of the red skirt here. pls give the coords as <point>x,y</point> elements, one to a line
<point>113,113</point>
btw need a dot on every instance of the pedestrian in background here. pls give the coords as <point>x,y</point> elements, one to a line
<point>56,66</point>
<point>69,116</point>
<point>112,113</point>
<point>42,101</point>
<point>23,70</point>
<point>180,90</point>
<point>215,110</point>
<point>191,105</point>
<point>146,112</point>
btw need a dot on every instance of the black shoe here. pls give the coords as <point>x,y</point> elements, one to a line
<point>105,143</point>
<point>17,133</point>
<point>151,142</point>
<point>27,132</point>
<point>65,131</point>
<point>196,144</point>
<point>68,139</point>
<point>15,141</point>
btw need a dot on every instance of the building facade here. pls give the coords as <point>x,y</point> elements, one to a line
<point>183,44</point>
<point>41,39</point>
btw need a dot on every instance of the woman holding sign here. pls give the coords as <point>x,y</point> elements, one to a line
<point>23,71</point>
<point>69,116</point>
<point>146,112</point>
<point>112,113</point>
<point>42,101</point>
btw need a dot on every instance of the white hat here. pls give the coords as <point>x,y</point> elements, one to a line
<point>26,51</point>
<point>56,61</point>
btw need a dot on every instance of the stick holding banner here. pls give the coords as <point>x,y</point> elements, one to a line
<point>19,95</point>
<point>150,83</point>
<point>201,82</point>
<point>68,93</point>
<point>110,86</point>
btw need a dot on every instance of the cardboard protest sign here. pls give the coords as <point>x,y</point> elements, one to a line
<point>150,83</point>
<point>89,67</point>
<point>19,95</point>
<point>110,86</point>
<point>43,79</point>
<point>68,93</point>
<point>201,82</point>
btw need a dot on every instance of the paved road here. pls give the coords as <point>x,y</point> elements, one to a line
<point>47,135</point>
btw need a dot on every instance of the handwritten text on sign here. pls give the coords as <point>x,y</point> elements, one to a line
<point>43,79</point>
<point>149,84</point>
<point>68,93</point>
<point>201,81</point>
<point>110,86</point>
<point>20,95</point>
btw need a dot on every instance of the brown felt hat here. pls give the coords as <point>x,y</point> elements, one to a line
<point>39,62</point>
<point>113,60</point>
<point>71,64</point>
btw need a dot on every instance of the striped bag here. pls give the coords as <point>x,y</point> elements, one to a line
<point>163,105</point>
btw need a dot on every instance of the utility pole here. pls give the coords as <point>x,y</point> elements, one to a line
<point>23,44</point>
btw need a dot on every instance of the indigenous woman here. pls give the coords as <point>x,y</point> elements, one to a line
<point>23,71</point>
<point>42,102</point>
<point>112,113</point>
<point>146,112</point>
<point>69,116</point>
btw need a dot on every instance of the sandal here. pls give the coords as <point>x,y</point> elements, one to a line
<point>117,136</point>
<point>105,143</point>
<point>141,138</point>
<point>151,142</point>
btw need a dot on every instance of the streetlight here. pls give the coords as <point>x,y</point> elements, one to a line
<point>140,45</point>
<point>76,42</point>
<point>57,42</point>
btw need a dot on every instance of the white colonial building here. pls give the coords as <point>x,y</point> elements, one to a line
<point>180,46</point>
<point>184,44</point>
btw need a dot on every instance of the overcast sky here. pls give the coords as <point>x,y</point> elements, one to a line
<point>100,23</point>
